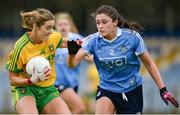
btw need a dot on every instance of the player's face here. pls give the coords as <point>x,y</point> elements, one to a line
<point>63,26</point>
<point>106,27</point>
<point>45,30</point>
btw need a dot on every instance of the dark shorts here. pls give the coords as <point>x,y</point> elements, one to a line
<point>62,87</point>
<point>133,104</point>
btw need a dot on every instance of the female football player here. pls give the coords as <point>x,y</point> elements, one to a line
<point>116,52</point>
<point>30,95</point>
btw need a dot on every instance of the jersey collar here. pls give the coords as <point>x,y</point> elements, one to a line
<point>119,32</point>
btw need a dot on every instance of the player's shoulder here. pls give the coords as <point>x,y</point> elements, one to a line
<point>95,35</point>
<point>21,42</point>
<point>130,33</point>
<point>55,34</point>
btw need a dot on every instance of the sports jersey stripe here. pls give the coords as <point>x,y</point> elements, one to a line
<point>126,30</point>
<point>138,35</point>
<point>15,56</point>
<point>17,96</point>
<point>15,51</point>
<point>18,48</point>
<point>133,32</point>
<point>59,44</point>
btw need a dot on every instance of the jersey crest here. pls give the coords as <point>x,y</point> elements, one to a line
<point>123,48</point>
<point>51,47</point>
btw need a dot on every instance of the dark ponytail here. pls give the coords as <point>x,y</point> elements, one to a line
<point>114,14</point>
<point>131,25</point>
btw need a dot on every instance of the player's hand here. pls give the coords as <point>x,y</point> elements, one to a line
<point>79,42</point>
<point>34,79</point>
<point>47,73</point>
<point>38,77</point>
<point>73,47</point>
<point>166,96</point>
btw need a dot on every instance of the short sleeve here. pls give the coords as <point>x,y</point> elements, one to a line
<point>56,38</point>
<point>88,44</point>
<point>139,44</point>
<point>16,57</point>
<point>15,62</point>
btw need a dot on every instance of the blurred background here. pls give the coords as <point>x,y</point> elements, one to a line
<point>160,18</point>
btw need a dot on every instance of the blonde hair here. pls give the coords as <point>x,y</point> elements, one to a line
<point>67,16</point>
<point>38,16</point>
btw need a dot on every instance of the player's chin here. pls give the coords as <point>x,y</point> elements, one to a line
<point>103,34</point>
<point>45,37</point>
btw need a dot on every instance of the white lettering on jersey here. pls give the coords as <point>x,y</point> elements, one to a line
<point>111,62</point>
<point>112,52</point>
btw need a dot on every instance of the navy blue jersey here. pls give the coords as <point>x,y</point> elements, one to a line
<point>117,60</point>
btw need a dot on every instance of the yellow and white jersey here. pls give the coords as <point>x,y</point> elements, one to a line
<point>25,49</point>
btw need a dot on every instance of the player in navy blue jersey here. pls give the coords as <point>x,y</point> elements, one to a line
<point>117,48</point>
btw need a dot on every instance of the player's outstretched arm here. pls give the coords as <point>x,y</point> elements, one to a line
<point>155,74</point>
<point>74,59</point>
<point>64,43</point>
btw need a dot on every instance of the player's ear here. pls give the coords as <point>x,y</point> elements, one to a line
<point>35,26</point>
<point>115,22</point>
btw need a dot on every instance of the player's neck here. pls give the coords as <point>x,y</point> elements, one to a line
<point>112,35</point>
<point>34,38</point>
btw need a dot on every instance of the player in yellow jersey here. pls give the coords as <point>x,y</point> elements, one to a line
<point>36,96</point>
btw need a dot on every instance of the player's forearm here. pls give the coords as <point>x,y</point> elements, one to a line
<point>64,43</point>
<point>155,74</point>
<point>71,61</point>
<point>89,58</point>
<point>17,81</point>
<point>152,68</point>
